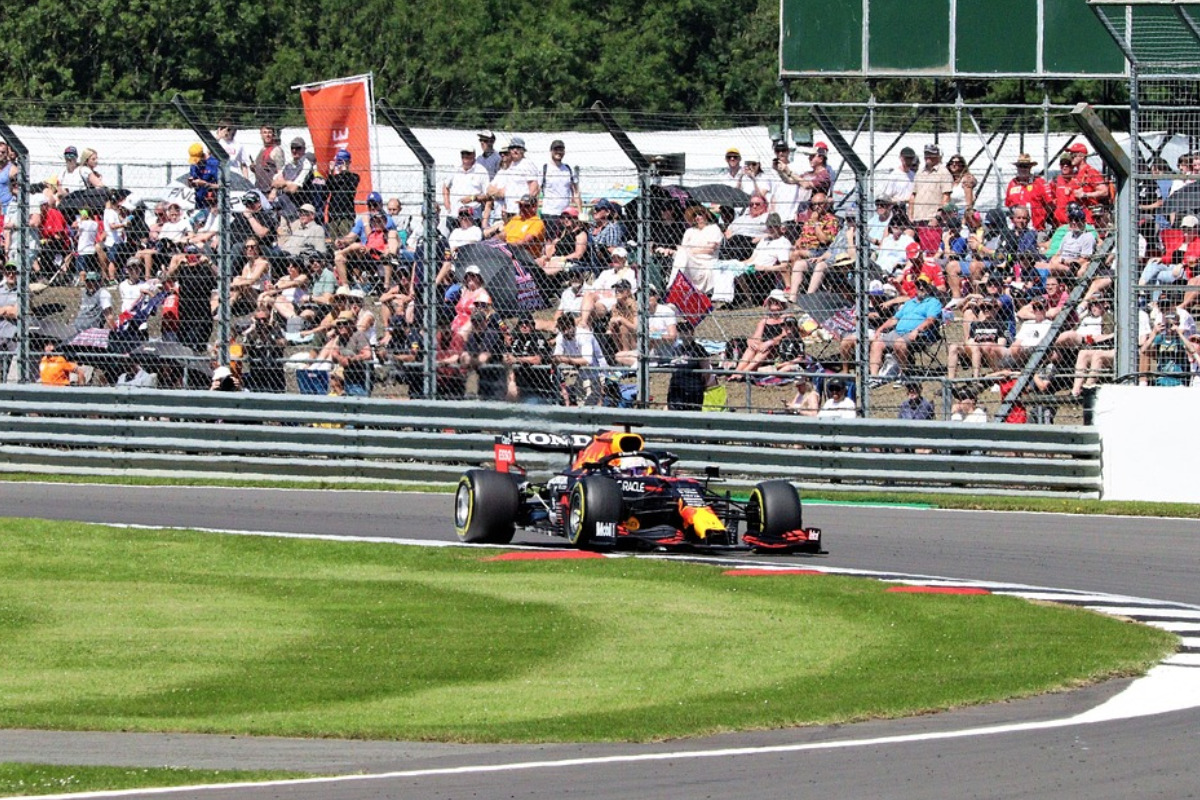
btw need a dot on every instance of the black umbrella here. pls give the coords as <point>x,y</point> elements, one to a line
<point>509,280</point>
<point>47,330</point>
<point>719,194</point>
<point>170,359</point>
<point>91,199</point>
<point>1184,201</point>
<point>172,352</point>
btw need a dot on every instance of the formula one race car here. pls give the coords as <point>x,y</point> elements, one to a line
<point>615,493</point>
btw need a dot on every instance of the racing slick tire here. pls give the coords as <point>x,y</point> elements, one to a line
<point>485,507</point>
<point>773,510</point>
<point>594,511</point>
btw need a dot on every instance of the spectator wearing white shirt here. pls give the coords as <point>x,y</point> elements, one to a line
<point>560,188</point>
<point>576,350</point>
<point>239,159</point>
<point>731,175</point>
<point>772,254</point>
<point>787,199</point>
<point>753,181</point>
<point>1029,335</point>
<point>750,224</point>
<point>114,229</point>
<point>467,186</point>
<point>87,231</point>
<point>603,292</point>
<point>900,185</point>
<point>838,404</point>
<point>892,253</point>
<point>521,177</point>
<point>877,226</point>
<point>661,325</point>
<point>133,289</point>
<point>466,233</point>
<point>696,255</point>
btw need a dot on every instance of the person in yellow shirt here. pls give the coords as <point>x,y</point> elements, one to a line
<point>524,231</point>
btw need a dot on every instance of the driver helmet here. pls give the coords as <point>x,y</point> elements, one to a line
<point>635,465</point>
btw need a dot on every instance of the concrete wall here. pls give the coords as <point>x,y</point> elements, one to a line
<point>1151,442</point>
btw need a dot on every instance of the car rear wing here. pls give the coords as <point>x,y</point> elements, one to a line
<point>505,448</point>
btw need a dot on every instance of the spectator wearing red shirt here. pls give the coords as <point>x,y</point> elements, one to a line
<point>1062,189</point>
<point>919,267</point>
<point>1030,191</point>
<point>1094,189</point>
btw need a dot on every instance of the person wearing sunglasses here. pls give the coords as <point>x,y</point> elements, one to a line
<point>745,230</point>
<point>733,167</point>
<point>752,180</point>
<point>962,191</point>
<point>817,178</point>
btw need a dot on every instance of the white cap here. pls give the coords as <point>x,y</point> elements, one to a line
<point>778,295</point>
<point>620,252</point>
<point>1189,221</point>
<point>221,373</point>
<point>473,270</point>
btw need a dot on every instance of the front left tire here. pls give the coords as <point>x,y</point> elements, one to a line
<point>485,507</point>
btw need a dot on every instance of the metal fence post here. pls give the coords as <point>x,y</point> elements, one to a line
<point>645,173</point>
<point>862,253</point>
<point>1124,169</point>
<point>14,142</point>
<point>428,241</point>
<point>225,253</point>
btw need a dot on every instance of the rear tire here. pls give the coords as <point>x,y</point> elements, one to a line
<point>595,500</point>
<point>485,507</point>
<point>773,510</point>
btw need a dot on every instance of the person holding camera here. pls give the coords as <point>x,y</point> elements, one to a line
<point>753,181</point>
<point>1170,351</point>
<point>817,178</point>
<point>787,199</point>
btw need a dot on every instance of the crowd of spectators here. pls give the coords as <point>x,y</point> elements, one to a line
<point>319,288</point>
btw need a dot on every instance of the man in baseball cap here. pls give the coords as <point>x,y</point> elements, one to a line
<point>489,159</point>
<point>931,189</point>
<point>1095,188</point>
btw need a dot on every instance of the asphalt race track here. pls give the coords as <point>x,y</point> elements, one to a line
<point>1086,745</point>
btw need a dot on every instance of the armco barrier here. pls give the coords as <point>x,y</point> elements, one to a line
<point>215,434</point>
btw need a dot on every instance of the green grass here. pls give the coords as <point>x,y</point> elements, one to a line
<point>33,779</point>
<point>115,629</point>
<point>981,502</point>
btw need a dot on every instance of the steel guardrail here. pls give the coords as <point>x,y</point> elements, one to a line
<point>212,434</point>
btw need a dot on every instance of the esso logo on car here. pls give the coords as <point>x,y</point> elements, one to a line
<point>633,486</point>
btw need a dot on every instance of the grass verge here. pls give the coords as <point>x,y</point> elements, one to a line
<point>19,780</point>
<point>117,629</point>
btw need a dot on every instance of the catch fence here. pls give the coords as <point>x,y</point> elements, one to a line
<point>698,327</point>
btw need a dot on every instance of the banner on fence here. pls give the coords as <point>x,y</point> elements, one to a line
<point>340,116</point>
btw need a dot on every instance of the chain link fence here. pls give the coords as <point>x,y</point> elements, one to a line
<point>607,260</point>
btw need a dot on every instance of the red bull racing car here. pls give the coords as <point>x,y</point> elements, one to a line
<point>617,494</point>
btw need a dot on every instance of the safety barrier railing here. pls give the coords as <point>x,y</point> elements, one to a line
<point>243,435</point>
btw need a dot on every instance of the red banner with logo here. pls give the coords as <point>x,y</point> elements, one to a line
<point>339,118</point>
